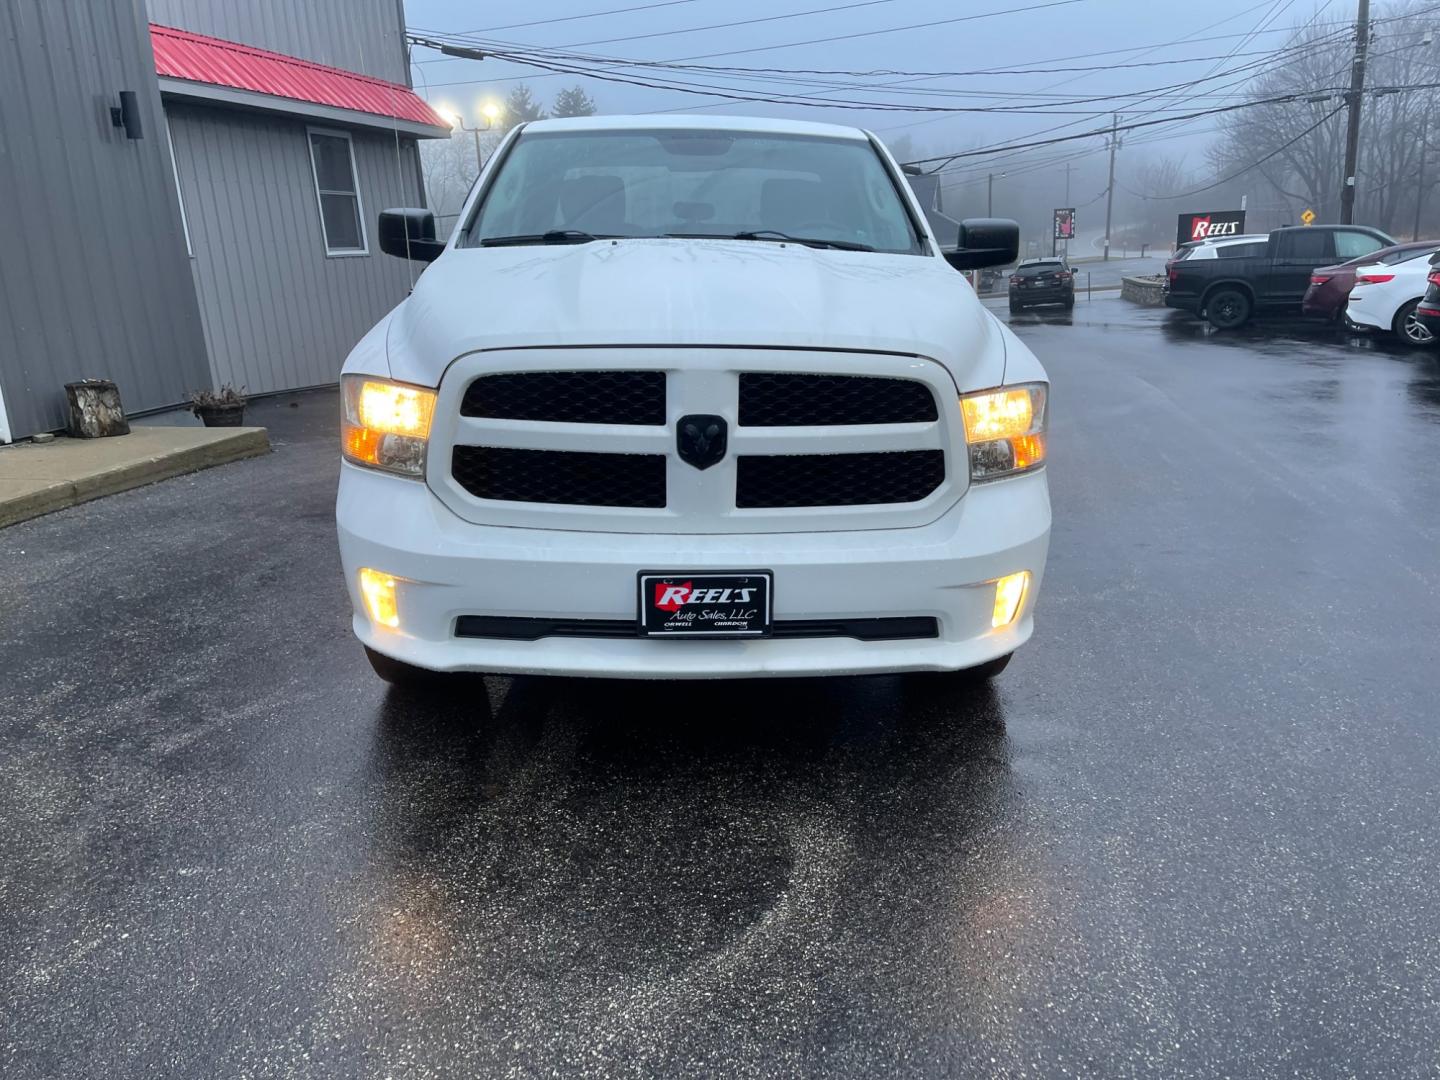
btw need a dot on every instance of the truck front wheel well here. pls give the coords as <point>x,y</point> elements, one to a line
<point>1226,286</point>
<point>1227,304</point>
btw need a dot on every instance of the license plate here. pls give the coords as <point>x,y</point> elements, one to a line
<point>729,604</point>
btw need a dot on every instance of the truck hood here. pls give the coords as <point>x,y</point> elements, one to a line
<point>688,293</point>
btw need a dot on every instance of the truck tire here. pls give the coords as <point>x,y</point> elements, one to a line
<point>1409,328</point>
<point>1226,309</point>
<point>398,673</point>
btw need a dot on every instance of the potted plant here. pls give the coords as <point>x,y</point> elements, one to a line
<point>219,408</point>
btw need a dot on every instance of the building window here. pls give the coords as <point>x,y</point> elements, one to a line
<point>332,158</point>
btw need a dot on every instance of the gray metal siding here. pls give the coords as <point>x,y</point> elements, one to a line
<point>358,35</point>
<point>278,312</point>
<point>94,281</point>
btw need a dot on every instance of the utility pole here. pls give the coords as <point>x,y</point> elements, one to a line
<point>1420,181</point>
<point>990,194</point>
<point>1110,188</point>
<point>1352,119</point>
<point>1067,203</point>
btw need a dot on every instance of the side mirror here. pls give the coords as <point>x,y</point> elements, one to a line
<point>410,233</point>
<point>985,242</point>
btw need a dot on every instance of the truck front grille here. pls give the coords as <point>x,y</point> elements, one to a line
<point>574,478</point>
<point>899,476</point>
<point>569,397</point>
<point>799,399</point>
<point>587,438</point>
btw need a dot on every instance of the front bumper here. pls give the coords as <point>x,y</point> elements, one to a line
<point>448,567</point>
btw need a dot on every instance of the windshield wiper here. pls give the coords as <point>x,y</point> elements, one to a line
<point>775,236</point>
<point>808,241</point>
<point>554,236</point>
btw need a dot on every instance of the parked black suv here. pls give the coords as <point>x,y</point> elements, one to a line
<point>1042,281</point>
<point>1271,276</point>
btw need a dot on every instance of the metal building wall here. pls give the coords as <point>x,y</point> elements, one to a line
<point>358,35</point>
<point>278,312</point>
<point>93,276</point>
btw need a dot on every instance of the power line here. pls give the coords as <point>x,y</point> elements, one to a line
<point>1319,94</point>
<point>574,18</point>
<point>558,62</point>
<point>729,25</point>
<point>1053,107</point>
<point>1241,172</point>
<point>818,41</point>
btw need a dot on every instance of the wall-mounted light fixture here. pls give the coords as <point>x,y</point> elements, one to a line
<point>127,115</point>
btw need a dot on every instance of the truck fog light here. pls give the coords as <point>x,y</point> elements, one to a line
<point>378,591</point>
<point>1009,595</point>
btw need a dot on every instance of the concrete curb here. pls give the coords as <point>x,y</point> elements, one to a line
<point>60,494</point>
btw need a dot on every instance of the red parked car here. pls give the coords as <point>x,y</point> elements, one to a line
<point>1330,285</point>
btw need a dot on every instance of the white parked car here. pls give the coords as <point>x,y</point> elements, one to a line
<point>688,398</point>
<point>1385,297</point>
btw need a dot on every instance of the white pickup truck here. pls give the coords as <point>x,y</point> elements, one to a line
<point>692,398</point>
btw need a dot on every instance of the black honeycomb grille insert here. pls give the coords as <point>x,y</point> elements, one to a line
<point>569,397</point>
<point>569,477</point>
<point>793,399</point>
<point>899,476</point>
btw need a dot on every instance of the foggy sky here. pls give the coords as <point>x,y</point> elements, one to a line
<point>1087,26</point>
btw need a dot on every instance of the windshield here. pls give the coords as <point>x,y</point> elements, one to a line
<point>1036,269</point>
<point>693,183</point>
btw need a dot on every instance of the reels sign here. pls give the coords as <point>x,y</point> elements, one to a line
<point>1210,225</point>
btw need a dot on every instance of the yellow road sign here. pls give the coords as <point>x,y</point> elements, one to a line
<point>1308,217</point>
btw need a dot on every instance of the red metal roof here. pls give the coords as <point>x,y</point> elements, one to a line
<point>180,54</point>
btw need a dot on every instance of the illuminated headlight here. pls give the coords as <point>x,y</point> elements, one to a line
<point>386,425</point>
<point>1005,430</point>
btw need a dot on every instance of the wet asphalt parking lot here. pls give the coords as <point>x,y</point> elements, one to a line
<point>1192,832</point>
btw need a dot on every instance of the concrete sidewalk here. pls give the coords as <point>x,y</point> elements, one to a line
<point>38,478</point>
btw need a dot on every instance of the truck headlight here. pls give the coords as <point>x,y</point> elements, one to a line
<point>385,425</point>
<point>1005,430</point>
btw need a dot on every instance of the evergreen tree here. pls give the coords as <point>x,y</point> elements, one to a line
<point>573,102</point>
<point>521,107</point>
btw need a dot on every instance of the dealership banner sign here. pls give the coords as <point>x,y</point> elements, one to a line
<point>1209,225</point>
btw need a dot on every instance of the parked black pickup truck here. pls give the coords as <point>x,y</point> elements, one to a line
<point>1267,277</point>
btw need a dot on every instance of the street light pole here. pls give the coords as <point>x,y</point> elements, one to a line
<point>990,194</point>
<point>475,131</point>
<point>1420,181</point>
<point>1352,117</point>
<point>490,111</point>
<point>1110,188</point>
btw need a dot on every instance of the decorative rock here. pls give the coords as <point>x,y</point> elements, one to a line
<point>95,409</point>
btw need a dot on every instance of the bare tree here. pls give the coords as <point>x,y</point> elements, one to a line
<point>1293,149</point>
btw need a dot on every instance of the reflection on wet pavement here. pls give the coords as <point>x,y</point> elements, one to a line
<point>1187,834</point>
